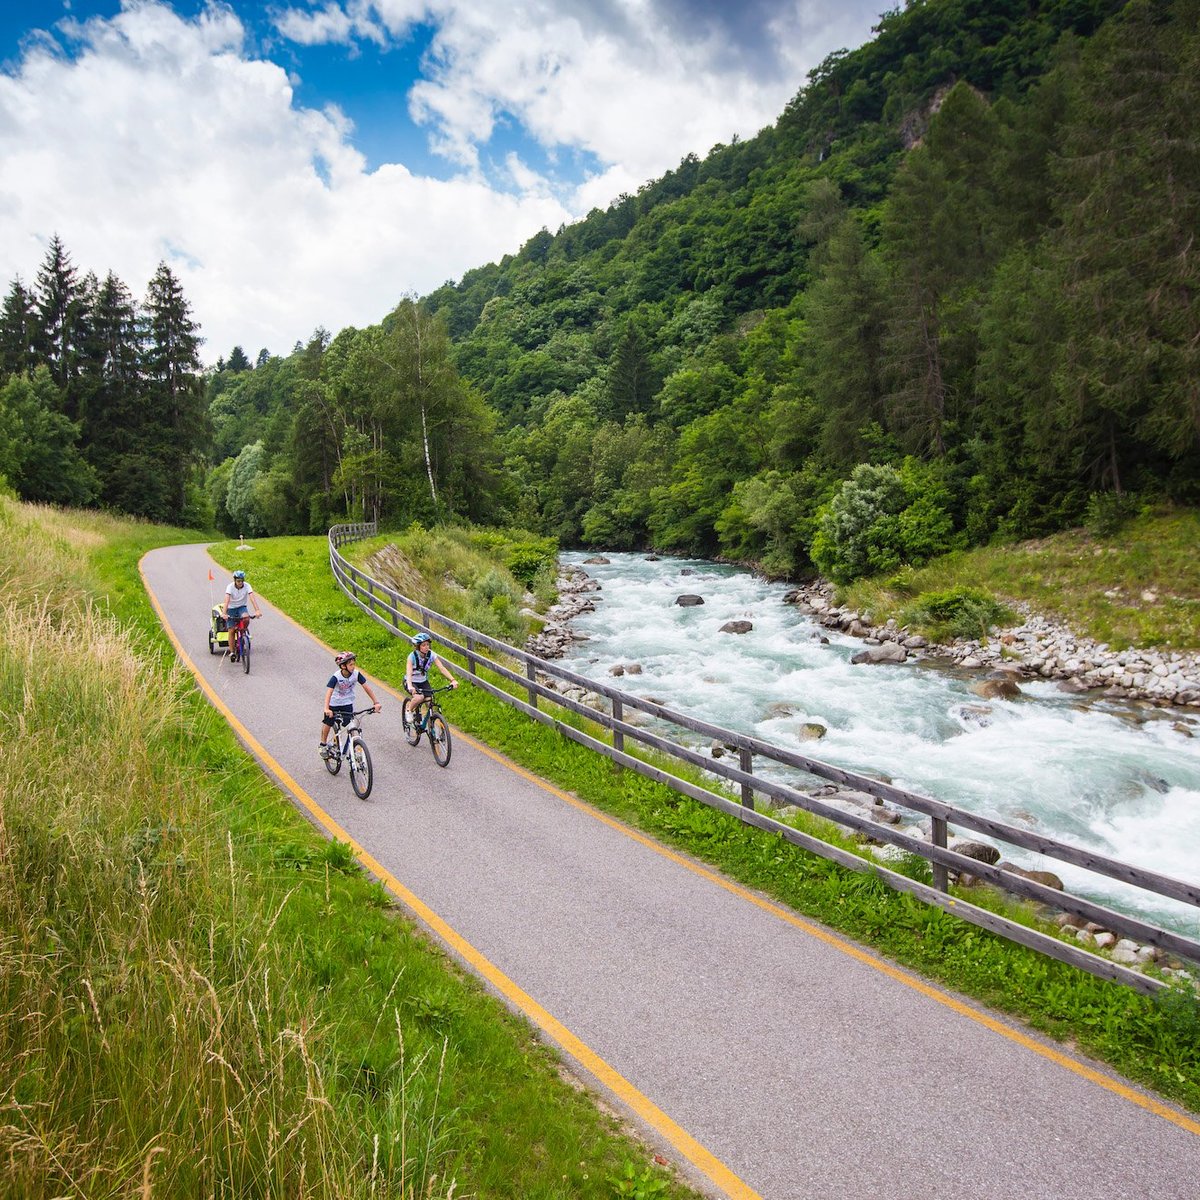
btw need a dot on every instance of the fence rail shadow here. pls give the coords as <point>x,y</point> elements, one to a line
<point>609,709</point>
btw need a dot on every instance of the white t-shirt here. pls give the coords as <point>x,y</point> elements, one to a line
<point>343,688</point>
<point>238,596</point>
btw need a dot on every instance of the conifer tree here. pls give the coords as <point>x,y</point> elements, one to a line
<point>1129,204</point>
<point>18,331</point>
<point>59,302</point>
<point>113,414</point>
<point>174,393</point>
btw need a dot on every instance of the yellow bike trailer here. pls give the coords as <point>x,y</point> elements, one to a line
<point>218,632</point>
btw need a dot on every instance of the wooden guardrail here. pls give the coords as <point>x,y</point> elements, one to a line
<point>526,675</point>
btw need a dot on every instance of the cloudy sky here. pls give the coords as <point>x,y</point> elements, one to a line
<point>309,164</point>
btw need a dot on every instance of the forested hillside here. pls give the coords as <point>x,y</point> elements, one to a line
<point>950,296</point>
<point>962,257</point>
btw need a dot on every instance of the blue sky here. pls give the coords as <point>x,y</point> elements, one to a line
<point>302,164</point>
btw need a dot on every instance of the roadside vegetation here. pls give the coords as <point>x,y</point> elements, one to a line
<point>1132,584</point>
<point>479,577</point>
<point>1155,1041</point>
<point>199,995</point>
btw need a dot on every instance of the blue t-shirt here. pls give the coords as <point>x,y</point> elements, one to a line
<point>343,688</point>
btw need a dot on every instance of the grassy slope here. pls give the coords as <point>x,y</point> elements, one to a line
<point>1156,1042</point>
<point>1093,584</point>
<point>198,994</point>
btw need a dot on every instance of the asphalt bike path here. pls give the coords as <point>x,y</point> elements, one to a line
<point>766,1055</point>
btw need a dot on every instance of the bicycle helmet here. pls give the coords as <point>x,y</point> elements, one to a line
<point>346,656</point>
<point>239,575</point>
<point>421,638</point>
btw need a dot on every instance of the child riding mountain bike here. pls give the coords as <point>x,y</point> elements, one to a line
<point>339,697</point>
<point>416,676</point>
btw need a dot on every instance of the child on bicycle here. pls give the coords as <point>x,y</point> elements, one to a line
<point>339,697</point>
<point>416,676</point>
<point>239,595</point>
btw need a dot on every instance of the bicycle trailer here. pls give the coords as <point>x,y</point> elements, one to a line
<point>218,632</point>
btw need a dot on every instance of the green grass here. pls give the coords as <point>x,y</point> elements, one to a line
<point>199,996</point>
<point>1092,584</point>
<point>1154,1041</point>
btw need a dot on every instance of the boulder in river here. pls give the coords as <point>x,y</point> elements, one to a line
<point>996,689</point>
<point>886,652</point>
<point>737,627</point>
<point>688,601</point>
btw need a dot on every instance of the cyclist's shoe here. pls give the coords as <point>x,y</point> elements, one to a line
<point>324,750</point>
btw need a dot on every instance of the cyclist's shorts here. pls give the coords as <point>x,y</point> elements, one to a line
<point>236,614</point>
<point>425,688</point>
<point>341,716</point>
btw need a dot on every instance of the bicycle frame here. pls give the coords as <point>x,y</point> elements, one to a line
<point>237,631</point>
<point>350,747</point>
<point>429,721</point>
<point>428,706</point>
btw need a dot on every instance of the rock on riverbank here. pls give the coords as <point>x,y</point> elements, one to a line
<point>1039,648</point>
<point>577,593</point>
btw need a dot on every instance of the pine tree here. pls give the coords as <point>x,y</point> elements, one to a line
<point>113,408</point>
<point>940,239</point>
<point>845,323</point>
<point>59,302</point>
<point>631,382</point>
<point>18,331</point>
<point>174,391</point>
<point>1129,203</point>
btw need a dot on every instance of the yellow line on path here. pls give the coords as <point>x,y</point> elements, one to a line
<point>686,1145</point>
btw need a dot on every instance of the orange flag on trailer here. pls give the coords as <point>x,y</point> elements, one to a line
<point>210,575</point>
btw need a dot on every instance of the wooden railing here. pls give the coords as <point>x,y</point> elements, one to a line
<point>526,674</point>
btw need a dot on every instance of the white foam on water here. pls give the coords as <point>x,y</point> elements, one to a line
<point>1115,781</point>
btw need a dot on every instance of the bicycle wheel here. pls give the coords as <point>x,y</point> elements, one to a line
<point>212,643</point>
<point>245,653</point>
<point>439,739</point>
<point>361,774</point>
<point>412,735</point>
<point>333,764</point>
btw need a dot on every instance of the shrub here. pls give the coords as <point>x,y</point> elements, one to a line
<point>883,518</point>
<point>960,612</point>
<point>1108,511</point>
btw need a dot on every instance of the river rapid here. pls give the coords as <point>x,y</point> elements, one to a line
<point>1120,778</point>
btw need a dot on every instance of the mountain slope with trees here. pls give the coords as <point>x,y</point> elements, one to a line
<point>947,298</point>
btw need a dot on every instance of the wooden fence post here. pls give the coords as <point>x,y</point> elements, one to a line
<point>746,762</point>
<point>937,835</point>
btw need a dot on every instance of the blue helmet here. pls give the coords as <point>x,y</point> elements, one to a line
<point>239,574</point>
<point>421,638</point>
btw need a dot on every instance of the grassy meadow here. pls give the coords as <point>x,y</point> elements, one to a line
<point>200,996</point>
<point>1098,586</point>
<point>1155,1041</point>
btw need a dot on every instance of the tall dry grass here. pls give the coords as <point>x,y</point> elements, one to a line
<point>156,1038</point>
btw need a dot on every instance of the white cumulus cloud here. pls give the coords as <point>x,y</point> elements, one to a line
<point>151,136</point>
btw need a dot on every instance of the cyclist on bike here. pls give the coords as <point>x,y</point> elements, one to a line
<point>239,595</point>
<point>339,697</point>
<point>416,676</point>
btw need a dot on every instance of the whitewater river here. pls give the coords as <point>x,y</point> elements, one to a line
<point>1113,777</point>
